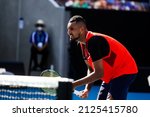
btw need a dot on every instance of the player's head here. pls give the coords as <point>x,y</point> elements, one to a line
<point>77,28</point>
<point>39,24</point>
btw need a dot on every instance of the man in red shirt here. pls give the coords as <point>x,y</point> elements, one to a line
<point>107,60</point>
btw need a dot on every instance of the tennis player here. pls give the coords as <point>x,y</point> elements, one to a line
<point>107,59</point>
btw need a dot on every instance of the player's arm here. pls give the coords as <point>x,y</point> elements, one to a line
<point>98,48</point>
<point>90,70</point>
<point>88,87</point>
<point>85,92</point>
<point>92,77</point>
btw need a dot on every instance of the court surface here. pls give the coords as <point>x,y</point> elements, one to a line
<point>131,95</point>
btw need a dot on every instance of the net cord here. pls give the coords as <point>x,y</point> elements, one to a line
<point>32,81</point>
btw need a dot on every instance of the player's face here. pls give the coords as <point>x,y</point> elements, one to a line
<point>74,31</point>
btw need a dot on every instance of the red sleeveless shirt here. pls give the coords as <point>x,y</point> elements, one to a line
<point>118,62</point>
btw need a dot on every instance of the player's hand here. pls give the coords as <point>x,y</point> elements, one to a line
<point>84,93</point>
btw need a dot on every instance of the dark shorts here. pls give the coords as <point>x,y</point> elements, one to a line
<point>118,87</point>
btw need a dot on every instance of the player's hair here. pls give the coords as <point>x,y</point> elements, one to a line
<point>77,19</point>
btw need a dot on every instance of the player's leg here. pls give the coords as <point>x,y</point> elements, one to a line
<point>103,92</point>
<point>119,86</point>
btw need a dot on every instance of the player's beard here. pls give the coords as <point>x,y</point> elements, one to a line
<point>78,38</point>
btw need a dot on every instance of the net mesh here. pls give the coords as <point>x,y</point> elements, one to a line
<point>15,87</point>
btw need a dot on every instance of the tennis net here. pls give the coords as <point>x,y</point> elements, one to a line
<point>17,87</point>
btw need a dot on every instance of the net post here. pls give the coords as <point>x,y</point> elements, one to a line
<point>64,91</point>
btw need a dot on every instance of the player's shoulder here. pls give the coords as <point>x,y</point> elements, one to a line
<point>96,39</point>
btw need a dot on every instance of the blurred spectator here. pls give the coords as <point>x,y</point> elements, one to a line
<point>69,3</point>
<point>61,2</point>
<point>100,4</point>
<point>116,4</point>
<point>81,4</point>
<point>128,5</point>
<point>39,40</point>
<point>135,6</point>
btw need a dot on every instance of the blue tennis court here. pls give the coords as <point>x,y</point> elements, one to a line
<point>131,96</point>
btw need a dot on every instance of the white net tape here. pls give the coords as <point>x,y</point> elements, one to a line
<point>32,81</point>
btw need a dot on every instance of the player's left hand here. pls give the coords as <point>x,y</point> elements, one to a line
<point>84,93</point>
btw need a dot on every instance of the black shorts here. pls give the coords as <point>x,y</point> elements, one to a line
<point>118,87</point>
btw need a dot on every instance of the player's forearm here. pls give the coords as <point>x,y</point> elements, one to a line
<point>88,79</point>
<point>88,87</point>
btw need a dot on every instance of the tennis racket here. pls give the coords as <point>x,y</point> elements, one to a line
<point>78,93</point>
<point>53,74</point>
<point>49,73</point>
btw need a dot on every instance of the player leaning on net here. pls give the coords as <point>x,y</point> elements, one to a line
<point>107,59</point>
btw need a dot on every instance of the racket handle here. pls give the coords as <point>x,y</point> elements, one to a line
<point>52,67</point>
<point>78,93</point>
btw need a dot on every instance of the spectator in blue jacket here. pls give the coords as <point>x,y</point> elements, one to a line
<point>39,40</point>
